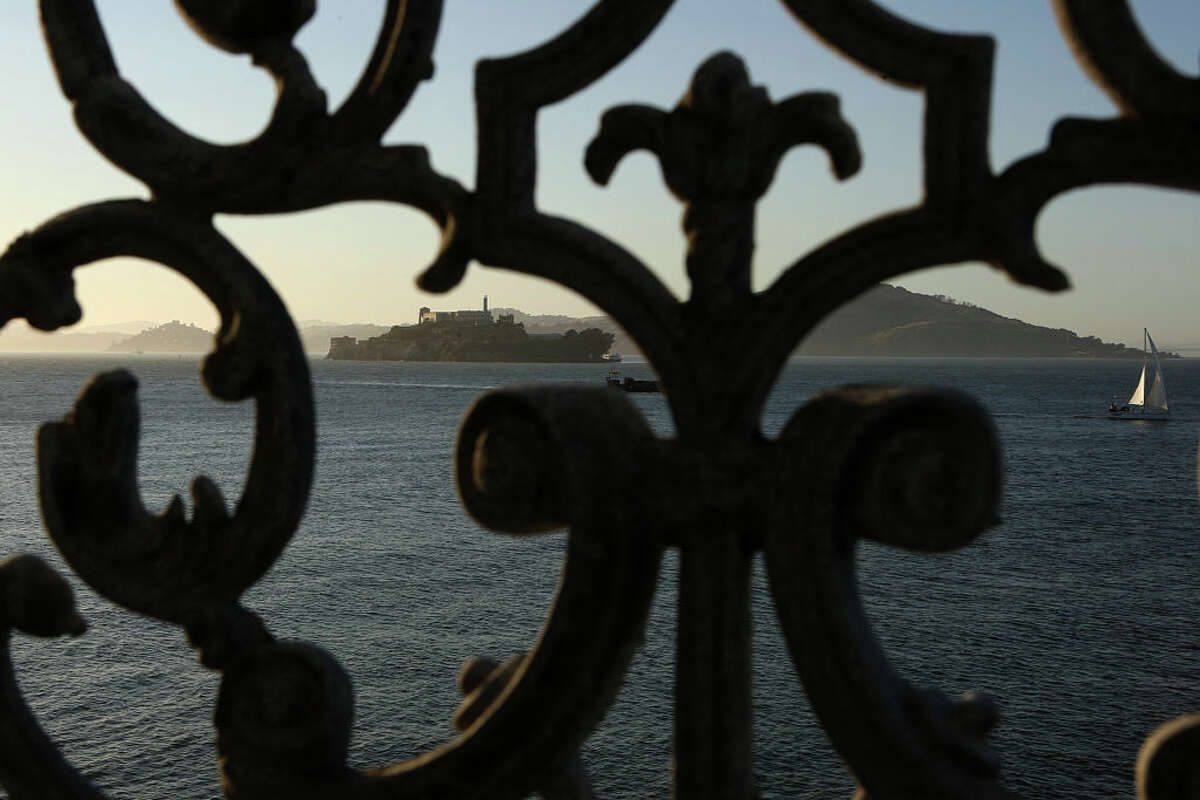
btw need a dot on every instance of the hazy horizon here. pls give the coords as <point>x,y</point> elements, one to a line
<point>18,336</point>
<point>1132,253</point>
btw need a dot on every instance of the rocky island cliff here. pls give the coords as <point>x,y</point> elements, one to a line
<point>471,336</point>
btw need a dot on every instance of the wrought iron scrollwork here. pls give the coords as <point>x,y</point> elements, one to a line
<point>38,602</point>
<point>912,469</point>
<point>916,469</point>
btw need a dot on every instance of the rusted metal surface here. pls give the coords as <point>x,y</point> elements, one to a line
<point>915,469</point>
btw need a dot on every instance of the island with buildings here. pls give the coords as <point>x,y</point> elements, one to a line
<point>170,337</point>
<point>472,335</point>
<point>885,322</point>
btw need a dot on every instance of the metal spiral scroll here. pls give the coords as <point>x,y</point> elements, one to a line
<point>916,469</point>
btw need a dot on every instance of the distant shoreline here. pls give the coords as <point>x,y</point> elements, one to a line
<point>318,356</point>
<point>884,322</point>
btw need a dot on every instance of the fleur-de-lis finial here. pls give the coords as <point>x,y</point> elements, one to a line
<point>718,149</point>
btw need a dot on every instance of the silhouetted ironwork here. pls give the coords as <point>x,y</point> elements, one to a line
<point>917,469</point>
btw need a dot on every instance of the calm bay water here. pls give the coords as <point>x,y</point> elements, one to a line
<point>1078,612</point>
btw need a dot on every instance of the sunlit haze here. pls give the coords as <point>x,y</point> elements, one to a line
<point>1132,253</point>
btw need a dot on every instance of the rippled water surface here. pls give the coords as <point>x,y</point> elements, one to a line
<point>1078,612</point>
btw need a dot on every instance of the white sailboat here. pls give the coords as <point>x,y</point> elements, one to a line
<point>1149,399</point>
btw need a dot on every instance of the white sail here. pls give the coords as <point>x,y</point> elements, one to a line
<point>1158,390</point>
<point>1140,392</point>
<point>1158,393</point>
<point>1149,399</point>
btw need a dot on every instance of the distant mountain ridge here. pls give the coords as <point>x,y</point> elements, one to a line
<point>182,337</point>
<point>315,338</point>
<point>886,321</point>
<point>29,340</point>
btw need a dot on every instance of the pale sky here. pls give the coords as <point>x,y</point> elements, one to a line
<point>1133,254</point>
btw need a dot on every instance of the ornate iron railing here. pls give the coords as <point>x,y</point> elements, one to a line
<point>915,469</point>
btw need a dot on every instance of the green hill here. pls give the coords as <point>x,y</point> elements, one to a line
<point>888,322</point>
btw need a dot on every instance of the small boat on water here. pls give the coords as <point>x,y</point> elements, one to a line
<point>627,384</point>
<point>612,358</point>
<point>1149,399</point>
